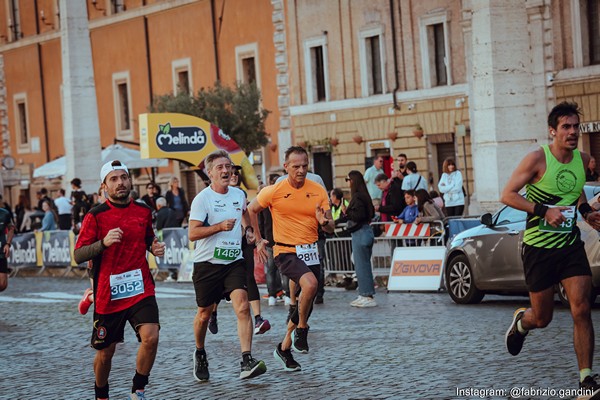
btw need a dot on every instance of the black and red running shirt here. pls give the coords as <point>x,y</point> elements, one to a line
<point>135,220</point>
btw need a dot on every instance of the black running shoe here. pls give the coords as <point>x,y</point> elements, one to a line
<point>513,338</point>
<point>591,387</point>
<point>200,367</point>
<point>213,325</point>
<point>300,340</point>
<point>286,359</point>
<point>252,368</point>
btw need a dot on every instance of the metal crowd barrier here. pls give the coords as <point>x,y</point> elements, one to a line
<point>338,250</point>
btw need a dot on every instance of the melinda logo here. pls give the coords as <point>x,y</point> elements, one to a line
<point>188,138</point>
<point>417,268</point>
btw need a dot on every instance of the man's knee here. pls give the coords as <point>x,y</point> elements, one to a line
<point>149,335</point>
<point>542,320</point>
<point>3,282</point>
<point>581,311</point>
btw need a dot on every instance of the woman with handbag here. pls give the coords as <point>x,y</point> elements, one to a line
<point>359,213</point>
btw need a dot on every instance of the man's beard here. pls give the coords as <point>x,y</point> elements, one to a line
<point>119,195</point>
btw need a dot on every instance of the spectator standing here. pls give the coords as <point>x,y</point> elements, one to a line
<point>437,199</point>
<point>451,185</point>
<point>413,181</point>
<point>401,170</point>
<point>42,196</point>
<point>392,198</point>
<point>370,175</point>
<point>590,172</point>
<point>7,231</point>
<point>165,216</point>
<point>81,203</point>
<point>22,207</point>
<point>150,197</point>
<point>7,207</point>
<point>64,207</point>
<point>176,200</point>
<point>336,198</point>
<point>50,218</point>
<point>275,281</point>
<point>360,212</point>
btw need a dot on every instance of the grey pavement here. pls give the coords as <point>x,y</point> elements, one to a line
<point>413,346</point>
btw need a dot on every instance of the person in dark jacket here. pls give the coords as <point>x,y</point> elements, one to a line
<point>392,199</point>
<point>360,212</point>
<point>176,200</point>
<point>165,216</point>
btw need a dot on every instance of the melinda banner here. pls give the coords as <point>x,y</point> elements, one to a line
<point>23,252</point>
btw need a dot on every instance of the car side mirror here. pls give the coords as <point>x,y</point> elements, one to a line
<point>486,219</point>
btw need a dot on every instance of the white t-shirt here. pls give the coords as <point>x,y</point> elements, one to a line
<point>212,208</point>
<point>63,205</point>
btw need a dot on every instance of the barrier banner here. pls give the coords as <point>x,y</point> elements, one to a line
<point>23,252</point>
<point>176,245</point>
<point>417,268</point>
<point>56,248</point>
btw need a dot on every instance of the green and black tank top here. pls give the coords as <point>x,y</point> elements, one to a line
<point>561,185</point>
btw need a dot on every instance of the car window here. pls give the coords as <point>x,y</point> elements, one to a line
<point>509,215</point>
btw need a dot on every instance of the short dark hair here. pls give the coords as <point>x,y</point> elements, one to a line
<point>295,149</point>
<point>411,166</point>
<point>564,109</point>
<point>402,155</point>
<point>273,178</point>
<point>338,193</point>
<point>381,177</point>
<point>76,182</point>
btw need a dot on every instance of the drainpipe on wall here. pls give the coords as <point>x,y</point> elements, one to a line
<point>148,63</point>
<point>215,40</point>
<point>395,51</point>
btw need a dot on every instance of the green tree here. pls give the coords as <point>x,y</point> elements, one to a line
<point>236,110</point>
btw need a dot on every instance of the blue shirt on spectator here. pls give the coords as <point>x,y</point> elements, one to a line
<point>409,214</point>
<point>48,223</point>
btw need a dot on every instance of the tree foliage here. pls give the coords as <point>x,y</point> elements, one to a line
<point>236,110</point>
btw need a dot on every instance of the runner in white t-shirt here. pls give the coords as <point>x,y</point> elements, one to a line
<point>219,270</point>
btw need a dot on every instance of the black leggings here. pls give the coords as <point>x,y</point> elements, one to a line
<point>455,211</point>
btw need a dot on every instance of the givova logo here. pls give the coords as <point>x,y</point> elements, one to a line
<point>186,138</point>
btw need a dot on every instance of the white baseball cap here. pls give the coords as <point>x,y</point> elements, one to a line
<point>109,167</point>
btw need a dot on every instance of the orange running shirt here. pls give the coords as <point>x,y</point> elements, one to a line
<point>293,211</point>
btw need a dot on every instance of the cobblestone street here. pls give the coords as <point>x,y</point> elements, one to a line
<point>413,346</point>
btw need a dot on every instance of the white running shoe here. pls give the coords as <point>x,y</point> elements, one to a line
<point>272,301</point>
<point>357,301</point>
<point>367,302</point>
<point>287,300</point>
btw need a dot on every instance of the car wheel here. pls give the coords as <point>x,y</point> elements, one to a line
<point>460,281</point>
<point>562,295</point>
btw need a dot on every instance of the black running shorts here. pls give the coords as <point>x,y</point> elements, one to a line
<point>212,282</point>
<point>3,265</point>
<point>546,267</point>
<point>291,266</point>
<point>110,328</point>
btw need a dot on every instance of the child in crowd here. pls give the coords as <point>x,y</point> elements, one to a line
<point>410,212</point>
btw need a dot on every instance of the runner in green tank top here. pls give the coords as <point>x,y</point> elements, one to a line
<point>554,176</point>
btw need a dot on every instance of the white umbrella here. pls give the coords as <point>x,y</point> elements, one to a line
<point>127,156</point>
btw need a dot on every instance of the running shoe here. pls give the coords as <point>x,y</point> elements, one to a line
<point>261,326</point>
<point>286,300</point>
<point>300,340</point>
<point>213,325</point>
<point>85,303</point>
<point>252,368</point>
<point>272,301</point>
<point>138,395</point>
<point>365,302</point>
<point>286,359</point>
<point>200,367</point>
<point>591,387</point>
<point>356,301</point>
<point>513,338</point>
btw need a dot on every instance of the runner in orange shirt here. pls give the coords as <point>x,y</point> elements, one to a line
<point>298,207</point>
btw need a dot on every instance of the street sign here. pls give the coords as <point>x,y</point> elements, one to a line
<point>11,177</point>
